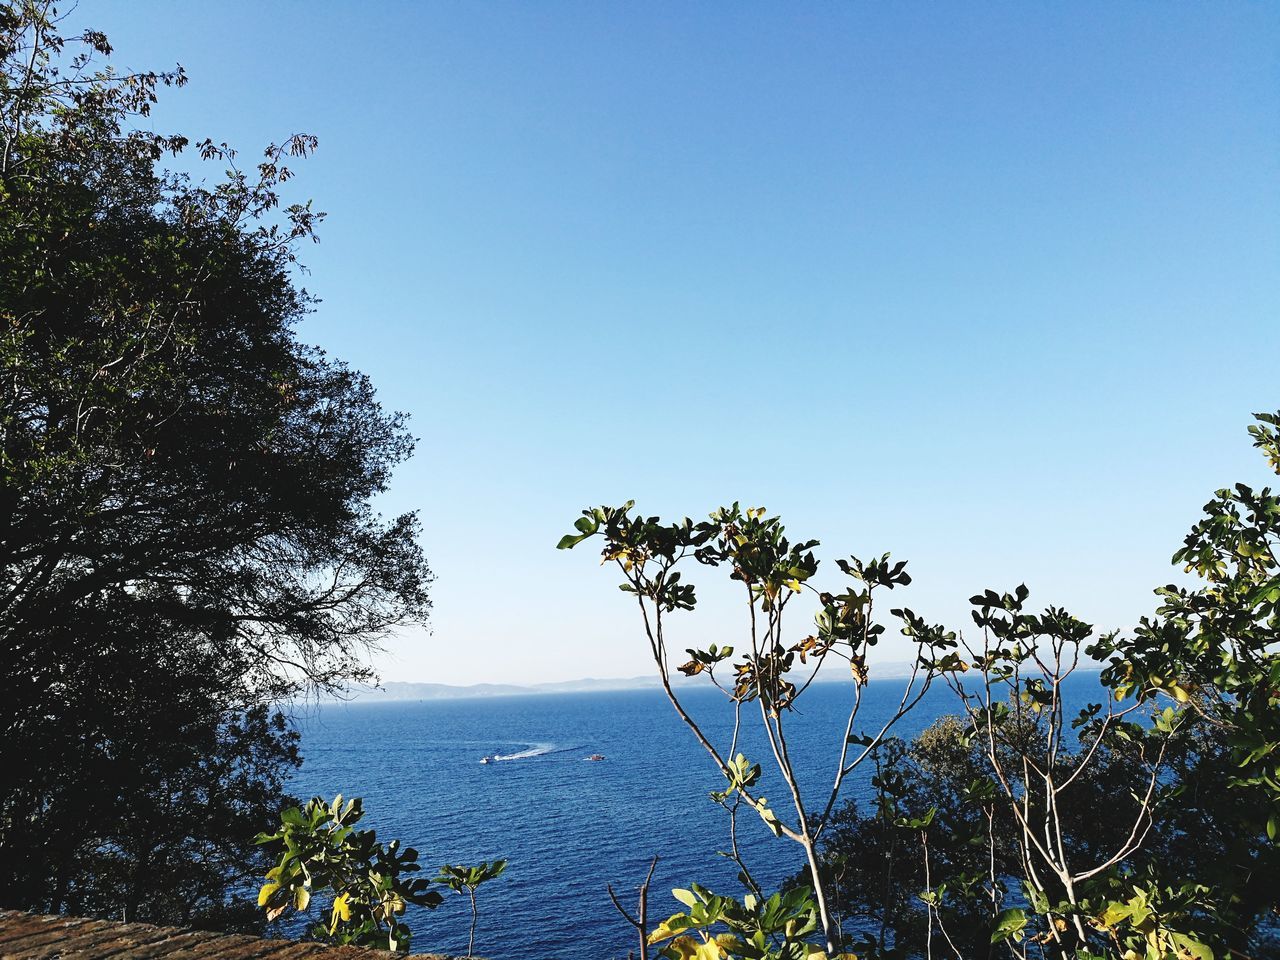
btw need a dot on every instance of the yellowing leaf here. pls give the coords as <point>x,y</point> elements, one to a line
<point>341,911</point>
<point>691,948</point>
<point>390,906</point>
<point>682,947</point>
<point>672,926</point>
<point>265,893</point>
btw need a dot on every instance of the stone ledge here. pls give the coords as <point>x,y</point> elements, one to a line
<point>28,936</point>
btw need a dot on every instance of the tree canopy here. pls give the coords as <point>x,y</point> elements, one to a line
<point>188,528</point>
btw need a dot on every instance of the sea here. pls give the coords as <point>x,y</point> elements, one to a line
<point>570,826</point>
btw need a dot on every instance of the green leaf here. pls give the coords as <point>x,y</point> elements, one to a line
<point>1011,924</point>
<point>1039,902</point>
<point>1187,947</point>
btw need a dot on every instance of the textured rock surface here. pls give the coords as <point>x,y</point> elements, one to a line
<point>26,936</point>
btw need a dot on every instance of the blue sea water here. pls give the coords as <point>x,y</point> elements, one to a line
<point>569,826</point>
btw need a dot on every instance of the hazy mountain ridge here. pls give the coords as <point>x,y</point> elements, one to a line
<point>391,690</point>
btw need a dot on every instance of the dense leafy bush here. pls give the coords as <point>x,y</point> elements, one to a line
<point>369,883</point>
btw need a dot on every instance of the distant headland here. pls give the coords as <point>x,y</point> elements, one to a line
<point>408,690</point>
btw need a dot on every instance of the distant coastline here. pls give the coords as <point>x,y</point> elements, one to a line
<point>395,690</point>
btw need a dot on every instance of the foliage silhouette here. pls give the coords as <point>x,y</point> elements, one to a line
<point>186,529</point>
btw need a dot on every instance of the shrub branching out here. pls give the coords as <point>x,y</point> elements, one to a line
<point>466,880</point>
<point>1140,826</point>
<point>771,671</point>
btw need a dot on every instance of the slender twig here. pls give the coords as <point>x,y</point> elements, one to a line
<point>641,920</point>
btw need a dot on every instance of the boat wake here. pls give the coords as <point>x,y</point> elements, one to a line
<point>536,750</point>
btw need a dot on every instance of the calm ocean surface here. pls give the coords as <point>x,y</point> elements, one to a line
<point>568,825</point>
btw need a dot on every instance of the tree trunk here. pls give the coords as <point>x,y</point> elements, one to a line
<point>830,929</point>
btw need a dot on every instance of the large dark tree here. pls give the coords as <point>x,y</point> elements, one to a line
<point>186,521</point>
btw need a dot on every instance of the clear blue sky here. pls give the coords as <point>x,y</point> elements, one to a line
<point>992,286</point>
